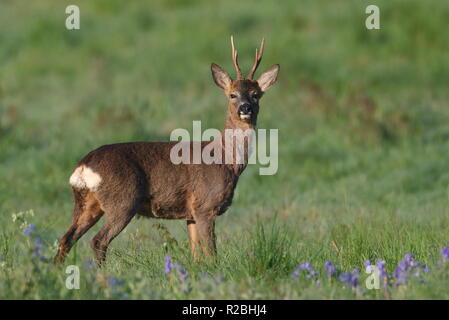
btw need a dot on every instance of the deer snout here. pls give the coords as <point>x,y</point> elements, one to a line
<point>244,111</point>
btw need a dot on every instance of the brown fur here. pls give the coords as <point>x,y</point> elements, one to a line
<point>139,178</point>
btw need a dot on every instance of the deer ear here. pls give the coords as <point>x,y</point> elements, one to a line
<point>221,77</point>
<point>268,78</point>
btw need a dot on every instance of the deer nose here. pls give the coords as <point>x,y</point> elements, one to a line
<point>245,109</point>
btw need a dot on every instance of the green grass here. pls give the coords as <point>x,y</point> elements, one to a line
<point>363,141</point>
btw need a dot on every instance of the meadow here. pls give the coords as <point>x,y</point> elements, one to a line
<point>363,123</point>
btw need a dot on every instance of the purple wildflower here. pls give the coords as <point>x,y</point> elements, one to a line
<point>368,266</point>
<point>28,231</point>
<point>168,264</point>
<point>295,274</point>
<point>401,271</point>
<point>401,275</point>
<point>350,278</point>
<point>307,266</point>
<point>408,267</point>
<point>37,248</point>
<point>381,265</point>
<point>409,258</point>
<point>183,275</point>
<point>116,286</point>
<point>329,267</point>
<point>114,282</point>
<point>444,255</point>
<point>383,274</point>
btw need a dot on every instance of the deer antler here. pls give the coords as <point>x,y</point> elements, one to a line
<point>257,59</point>
<point>234,60</point>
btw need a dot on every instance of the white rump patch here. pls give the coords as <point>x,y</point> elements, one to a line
<point>84,177</point>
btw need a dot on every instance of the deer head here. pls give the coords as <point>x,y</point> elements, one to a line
<point>244,94</point>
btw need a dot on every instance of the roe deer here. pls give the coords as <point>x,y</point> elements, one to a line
<point>121,180</point>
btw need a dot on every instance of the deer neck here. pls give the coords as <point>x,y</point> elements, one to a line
<point>238,148</point>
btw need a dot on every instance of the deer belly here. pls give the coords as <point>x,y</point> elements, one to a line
<point>154,209</point>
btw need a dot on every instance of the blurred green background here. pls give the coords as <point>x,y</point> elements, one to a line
<point>362,115</point>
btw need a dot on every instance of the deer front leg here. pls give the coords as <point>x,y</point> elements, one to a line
<point>193,239</point>
<point>205,231</point>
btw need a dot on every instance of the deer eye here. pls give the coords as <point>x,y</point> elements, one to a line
<point>255,96</point>
<point>232,96</point>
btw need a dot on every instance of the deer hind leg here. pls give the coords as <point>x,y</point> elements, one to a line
<point>116,220</point>
<point>205,229</point>
<point>87,211</point>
